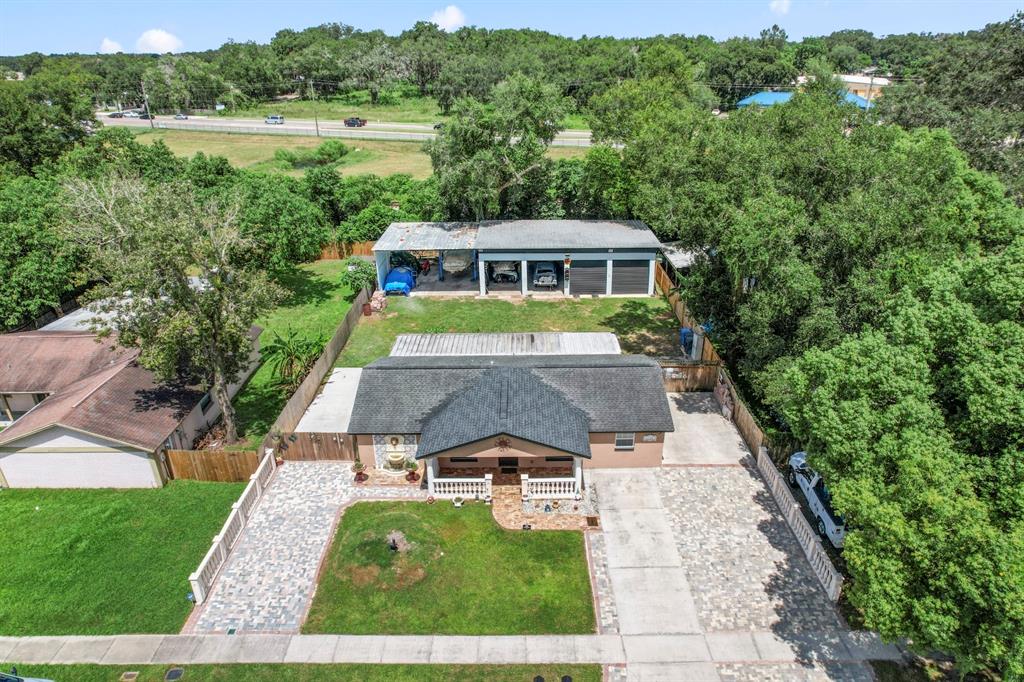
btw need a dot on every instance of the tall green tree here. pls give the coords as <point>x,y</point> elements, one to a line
<point>490,158</point>
<point>176,277</point>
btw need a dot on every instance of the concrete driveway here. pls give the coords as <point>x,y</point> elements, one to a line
<point>702,435</point>
<point>651,590</point>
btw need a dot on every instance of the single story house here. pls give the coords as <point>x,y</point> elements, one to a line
<point>519,415</point>
<point>587,257</point>
<point>78,411</point>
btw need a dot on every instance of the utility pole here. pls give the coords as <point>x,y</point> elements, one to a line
<point>145,100</point>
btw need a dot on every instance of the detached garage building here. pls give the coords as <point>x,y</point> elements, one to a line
<point>80,412</point>
<point>590,257</point>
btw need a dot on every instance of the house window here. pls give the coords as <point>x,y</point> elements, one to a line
<point>625,441</point>
<point>558,459</point>
<point>462,460</point>
<point>204,404</point>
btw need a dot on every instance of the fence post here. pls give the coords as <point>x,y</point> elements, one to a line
<point>487,484</point>
<point>198,589</point>
<point>526,484</point>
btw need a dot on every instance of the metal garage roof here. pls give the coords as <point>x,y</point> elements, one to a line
<point>566,234</point>
<point>428,237</point>
<point>530,343</point>
<point>518,234</point>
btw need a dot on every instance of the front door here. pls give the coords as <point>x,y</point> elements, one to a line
<point>508,465</point>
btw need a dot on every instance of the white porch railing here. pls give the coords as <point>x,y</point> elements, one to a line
<point>466,488</point>
<point>549,488</point>
<point>209,567</point>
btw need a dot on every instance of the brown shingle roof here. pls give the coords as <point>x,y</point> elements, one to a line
<point>43,362</point>
<point>117,399</point>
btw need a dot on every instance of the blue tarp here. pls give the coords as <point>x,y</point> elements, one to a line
<point>767,99</point>
<point>400,280</point>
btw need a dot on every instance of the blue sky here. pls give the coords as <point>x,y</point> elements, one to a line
<point>84,25</point>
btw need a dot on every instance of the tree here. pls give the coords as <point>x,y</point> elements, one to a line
<point>359,274</point>
<point>490,158</point>
<point>39,267</point>
<point>41,118</point>
<point>175,274</point>
<point>424,48</point>
<point>378,68</point>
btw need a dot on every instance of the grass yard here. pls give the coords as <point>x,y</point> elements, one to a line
<point>316,305</point>
<point>319,673</point>
<point>407,110</point>
<point>644,325</point>
<point>463,575</point>
<point>256,152</point>
<point>92,562</point>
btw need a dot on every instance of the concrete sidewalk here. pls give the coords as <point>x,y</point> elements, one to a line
<point>723,647</point>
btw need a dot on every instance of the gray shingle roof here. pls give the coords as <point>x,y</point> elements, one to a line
<point>616,392</point>
<point>512,401</point>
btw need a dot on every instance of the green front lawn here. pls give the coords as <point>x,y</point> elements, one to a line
<point>463,575</point>
<point>91,562</point>
<point>644,325</point>
<point>316,306</point>
<point>318,673</point>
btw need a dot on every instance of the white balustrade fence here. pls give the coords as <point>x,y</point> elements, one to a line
<point>466,488</point>
<point>203,577</point>
<point>831,579</point>
<point>549,488</point>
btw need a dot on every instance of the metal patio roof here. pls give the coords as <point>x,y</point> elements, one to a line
<point>529,343</point>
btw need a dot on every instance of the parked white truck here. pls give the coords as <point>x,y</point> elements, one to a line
<point>830,525</point>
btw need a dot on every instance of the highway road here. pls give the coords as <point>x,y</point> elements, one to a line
<point>402,132</point>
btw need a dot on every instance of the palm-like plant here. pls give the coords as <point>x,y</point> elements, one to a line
<point>292,356</point>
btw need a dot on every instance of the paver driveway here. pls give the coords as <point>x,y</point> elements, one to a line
<point>270,576</point>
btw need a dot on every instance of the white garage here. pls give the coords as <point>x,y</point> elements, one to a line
<point>58,457</point>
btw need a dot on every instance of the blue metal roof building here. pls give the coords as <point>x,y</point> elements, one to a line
<point>768,98</point>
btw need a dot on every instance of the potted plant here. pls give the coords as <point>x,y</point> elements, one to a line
<point>413,469</point>
<point>360,470</point>
<point>457,501</point>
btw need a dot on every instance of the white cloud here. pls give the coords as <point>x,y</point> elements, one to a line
<point>159,41</point>
<point>450,18</point>
<point>779,7</point>
<point>108,46</point>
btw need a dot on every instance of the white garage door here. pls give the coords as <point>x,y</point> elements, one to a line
<point>27,469</point>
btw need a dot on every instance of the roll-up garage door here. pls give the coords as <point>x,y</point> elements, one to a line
<point>588,277</point>
<point>630,276</point>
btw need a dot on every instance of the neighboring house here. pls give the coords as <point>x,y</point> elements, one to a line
<point>769,98</point>
<point>510,415</point>
<point>867,87</point>
<point>80,412</point>
<point>588,257</point>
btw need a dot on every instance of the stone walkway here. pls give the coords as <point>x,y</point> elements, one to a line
<point>270,577</point>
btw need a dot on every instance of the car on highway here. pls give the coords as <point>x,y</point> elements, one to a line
<point>354,122</point>
<point>274,119</point>
<point>115,114</point>
<point>180,117</point>
<point>439,126</point>
<point>131,114</point>
<point>545,275</point>
<point>146,116</point>
<point>830,525</point>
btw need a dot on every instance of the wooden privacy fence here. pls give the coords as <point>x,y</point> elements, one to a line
<point>831,579</point>
<point>226,466</point>
<point>300,400</point>
<point>312,447</point>
<point>203,577</point>
<point>342,250</point>
<point>664,284</point>
<point>682,377</point>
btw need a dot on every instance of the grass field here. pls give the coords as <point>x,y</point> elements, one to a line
<point>256,152</point>
<point>317,304</point>
<point>644,325</point>
<point>91,562</point>
<point>319,673</point>
<point>463,575</point>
